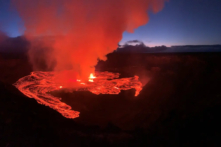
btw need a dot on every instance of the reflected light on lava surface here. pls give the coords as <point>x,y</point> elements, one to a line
<point>38,84</point>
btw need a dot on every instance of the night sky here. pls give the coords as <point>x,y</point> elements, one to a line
<point>181,22</point>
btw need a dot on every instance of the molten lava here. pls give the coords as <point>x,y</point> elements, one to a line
<point>38,84</point>
<point>91,78</point>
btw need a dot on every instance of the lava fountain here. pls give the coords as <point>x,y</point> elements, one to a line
<point>38,84</point>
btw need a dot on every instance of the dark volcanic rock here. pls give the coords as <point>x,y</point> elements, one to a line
<point>182,101</point>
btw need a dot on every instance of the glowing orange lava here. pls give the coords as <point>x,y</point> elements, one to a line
<point>38,84</point>
<point>91,78</point>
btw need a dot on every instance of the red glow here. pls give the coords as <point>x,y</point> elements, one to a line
<point>38,84</point>
<point>74,34</point>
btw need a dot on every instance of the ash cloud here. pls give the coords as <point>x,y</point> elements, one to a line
<point>76,33</point>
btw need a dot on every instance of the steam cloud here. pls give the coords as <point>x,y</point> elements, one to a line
<point>74,34</point>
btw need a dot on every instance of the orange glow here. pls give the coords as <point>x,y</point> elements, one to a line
<point>73,34</point>
<point>91,78</point>
<point>38,84</point>
<point>68,37</point>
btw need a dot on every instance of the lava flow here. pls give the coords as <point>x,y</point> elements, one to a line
<point>38,84</point>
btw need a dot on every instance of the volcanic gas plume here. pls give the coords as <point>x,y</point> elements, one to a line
<point>70,36</point>
<point>76,33</point>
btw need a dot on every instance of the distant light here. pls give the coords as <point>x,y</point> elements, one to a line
<point>61,87</point>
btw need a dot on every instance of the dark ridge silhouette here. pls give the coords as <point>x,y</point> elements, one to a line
<point>13,45</point>
<point>136,46</point>
<point>3,36</point>
<point>20,45</point>
<point>196,48</point>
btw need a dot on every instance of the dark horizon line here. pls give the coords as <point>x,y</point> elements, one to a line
<point>146,45</point>
<point>174,45</point>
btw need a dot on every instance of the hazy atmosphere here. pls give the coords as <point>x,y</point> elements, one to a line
<point>110,73</point>
<point>181,22</point>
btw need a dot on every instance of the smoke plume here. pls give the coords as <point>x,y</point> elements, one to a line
<point>74,34</point>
